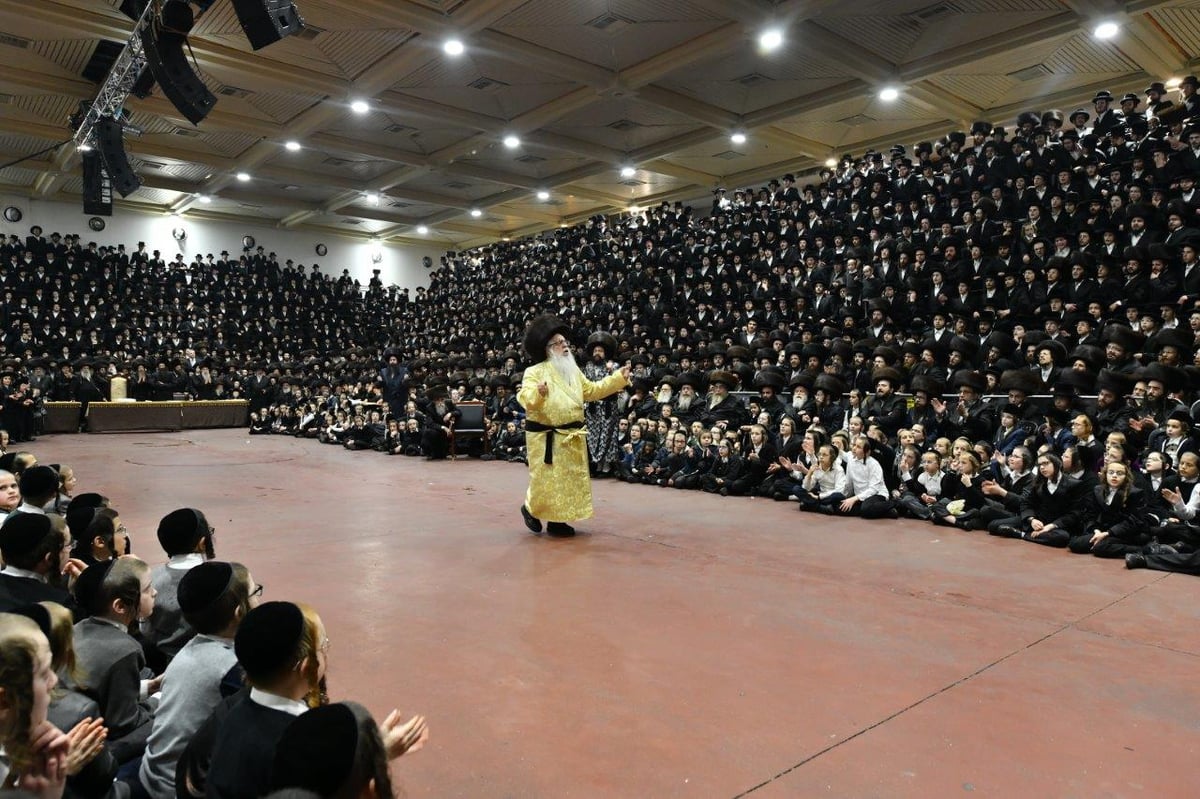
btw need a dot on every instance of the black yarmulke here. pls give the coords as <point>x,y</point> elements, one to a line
<point>88,584</point>
<point>22,533</point>
<point>179,530</point>
<point>89,499</point>
<point>267,638</point>
<point>39,614</point>
<point>204,585</point>
<point>38,481</point>
<point>317,750</point>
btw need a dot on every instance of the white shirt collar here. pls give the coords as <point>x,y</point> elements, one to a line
<point>292,707</point>
<point>185,562</point>
<point>13,571</point>
<point>25,507</point>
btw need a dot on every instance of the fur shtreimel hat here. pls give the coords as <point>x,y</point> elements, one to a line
<point>539,333</point>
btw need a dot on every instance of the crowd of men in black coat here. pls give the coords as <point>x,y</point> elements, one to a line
<point>1056,256</point>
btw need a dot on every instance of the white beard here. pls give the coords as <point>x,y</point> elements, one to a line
<point>684,402</point>
<point>715,399</point>
<point>567,369</point>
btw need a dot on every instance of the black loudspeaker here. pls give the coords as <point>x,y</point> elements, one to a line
<point>109,140</point>
<point>168,63</point>
<point>97,187</point>
<point>267,21</point>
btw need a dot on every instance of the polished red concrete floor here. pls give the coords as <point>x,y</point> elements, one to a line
<point>690,645</point>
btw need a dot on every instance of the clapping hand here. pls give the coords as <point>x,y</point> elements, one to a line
<point>1174,497</point>
<point>543,388</point>
<point>87,740</point>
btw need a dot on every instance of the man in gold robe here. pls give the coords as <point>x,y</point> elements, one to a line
<point>553,393</point>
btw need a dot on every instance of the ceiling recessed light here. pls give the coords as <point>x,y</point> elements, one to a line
<point>543,195</point>
<point>831,162</point>
<point>1105,30</point>
<point>372,198</point>
<point>421,229</point>
<point>628,172</point>
<point>738,137</point>
<point>770,40</point>
<point>360,106</point>
<point>889,94</point>
<point>204,198</point>
<point>454,47</point>
<point>292,146</point>
<point>512,142</point>
<point>243,176</point>
<point>1173,83</point>
<point>475,212</point>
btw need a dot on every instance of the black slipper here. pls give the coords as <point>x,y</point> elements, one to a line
<point>560,530</point>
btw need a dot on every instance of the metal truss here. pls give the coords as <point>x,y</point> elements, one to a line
<point>126,70</point>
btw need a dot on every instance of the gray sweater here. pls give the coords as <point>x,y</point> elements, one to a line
<point>191,689</point>
<point>166,628</point>
<point>109,666</point>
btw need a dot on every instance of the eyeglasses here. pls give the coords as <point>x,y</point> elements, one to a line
<point>556,342</point>
<point>257,591</point>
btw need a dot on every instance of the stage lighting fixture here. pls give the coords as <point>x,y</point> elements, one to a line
<point>267,21</point>
<point>109,141</point>
<point>164,48</point>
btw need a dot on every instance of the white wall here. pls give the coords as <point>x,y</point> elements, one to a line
<point>400,265</point>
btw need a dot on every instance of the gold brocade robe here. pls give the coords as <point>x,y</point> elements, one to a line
<point>560,491</point>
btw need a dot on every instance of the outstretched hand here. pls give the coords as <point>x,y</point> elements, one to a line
<point>401,739</point>
<point>626,371</point>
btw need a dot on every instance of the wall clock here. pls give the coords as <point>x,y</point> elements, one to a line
<point>322,250</point>
<point>12,214</point>
<point>96,223</point>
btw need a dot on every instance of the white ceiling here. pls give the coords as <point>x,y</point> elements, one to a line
<point>660,88</point>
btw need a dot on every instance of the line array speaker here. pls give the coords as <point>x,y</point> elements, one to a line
<point>97,187</point>
<point>164,49</point>
<point>109,140</point>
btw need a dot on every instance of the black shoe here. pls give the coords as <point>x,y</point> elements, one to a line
<point>1008,531</point>
<point>560,530</point>
<point>534,524</point>
<point>1135,560</point>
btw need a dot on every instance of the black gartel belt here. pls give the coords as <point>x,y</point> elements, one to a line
<point>549,430</point>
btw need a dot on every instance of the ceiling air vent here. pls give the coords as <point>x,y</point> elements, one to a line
<point>609,23</point>
<point>753,79</point>
<point>530,158</point>
<point>336,161</point>
<point>729,155</point>
<point>633,182</point>
<point>624,124</point>
<point>249,206</point>
<point>191,134</point>
<point>308,32</point>
<point>14,41</point>
<point>399,204</point>
<point>1035,72</point>
<point>458,185</point>
<point>398,128</point>
<point>936,11</point>
<point>235,91</point>
<point>154,165</point>
<point>351,221</point>
<point>290,187</point>
<point>487,84</point>
<point>857,119</point>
